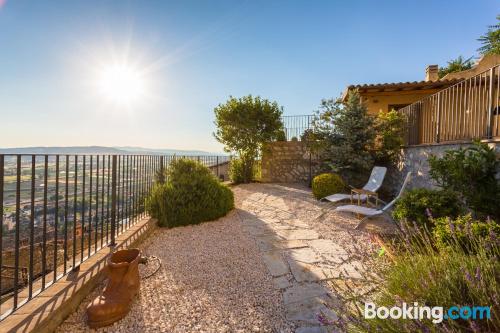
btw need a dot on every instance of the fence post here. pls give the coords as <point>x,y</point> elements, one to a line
<point>162,171</point>
<point>217,165</point>
<point>438,118</point>
<point>489,125</point>
<point>113,201</point>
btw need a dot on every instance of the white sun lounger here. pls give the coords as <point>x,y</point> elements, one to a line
<point>373,184</point>
<point>372,212</point>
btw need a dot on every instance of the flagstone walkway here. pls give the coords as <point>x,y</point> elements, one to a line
<point>309,250</point>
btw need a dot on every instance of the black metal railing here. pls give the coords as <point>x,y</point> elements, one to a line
<point>56,211</point>
<point>295,126</point>
<point>467,110</point>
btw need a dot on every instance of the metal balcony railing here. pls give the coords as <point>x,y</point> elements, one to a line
<point>56,211</point>
<point>467,110</point>
<point>295,126</point>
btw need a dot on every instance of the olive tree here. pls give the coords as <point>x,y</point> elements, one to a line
<point>244,125</point>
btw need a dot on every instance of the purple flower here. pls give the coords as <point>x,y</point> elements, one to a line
<point>493,236</point>
<point>451,225</point>
<point>474,327</point>
<point>323,320</point>
<point>467,276</point>
<point>478,273</point>
<point>495,298</point>
<point>468,229</point>
<point>428,213</point>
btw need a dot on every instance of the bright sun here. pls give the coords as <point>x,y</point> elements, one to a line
<point>121,84</point>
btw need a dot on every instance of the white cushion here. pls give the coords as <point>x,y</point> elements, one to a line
<point>341,196</point>
<point>359,210</point>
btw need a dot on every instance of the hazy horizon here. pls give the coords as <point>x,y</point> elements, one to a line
<point>149,74</point>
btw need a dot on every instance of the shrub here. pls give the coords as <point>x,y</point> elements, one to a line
<point>419,204</point>
<point>436,277</point>
<point>389,140</point>
<point>462,230</point>
<point>326,184</point>
<point>471,173</point>
<point>240,172</point>
<point>191,194</point>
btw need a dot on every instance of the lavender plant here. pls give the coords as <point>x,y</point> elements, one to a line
<point>433,276</point>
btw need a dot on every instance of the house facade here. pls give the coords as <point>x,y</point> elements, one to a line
<point>387,96</point>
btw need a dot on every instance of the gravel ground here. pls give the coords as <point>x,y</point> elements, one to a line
<point>212,280</point>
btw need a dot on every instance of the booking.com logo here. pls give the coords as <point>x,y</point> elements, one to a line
<point>436,313</point>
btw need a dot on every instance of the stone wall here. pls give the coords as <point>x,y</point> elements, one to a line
<point>415,159</point>
<point>287,162</point>
<point>290,162</point>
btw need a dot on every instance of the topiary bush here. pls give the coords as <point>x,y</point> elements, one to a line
<point>326,184</point>
<point>464,231</point>
<point>419,205</point>
<point>190,195</point>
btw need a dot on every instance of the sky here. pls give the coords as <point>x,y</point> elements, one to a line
<point>190,56</point>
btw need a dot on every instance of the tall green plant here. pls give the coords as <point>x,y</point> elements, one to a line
<point>471,173</point>
<point>390,129</point>
<point>245,124</point>
<point>344,136</point>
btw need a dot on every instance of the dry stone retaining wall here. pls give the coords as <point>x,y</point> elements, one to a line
<point>288,162</point>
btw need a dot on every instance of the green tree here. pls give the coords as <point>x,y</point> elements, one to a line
<point>456,65</point>
<point>344,136</point>
<point>491,40</point>
<point>389,127</point>
<point>245,124</point>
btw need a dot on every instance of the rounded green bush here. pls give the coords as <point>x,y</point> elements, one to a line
<point>191,195</point>
<point>327,184</point>
<point>420,204</point>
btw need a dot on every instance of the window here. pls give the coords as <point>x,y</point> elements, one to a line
<point>396,107</point>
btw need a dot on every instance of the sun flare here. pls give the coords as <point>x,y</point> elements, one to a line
<point>121,84</point>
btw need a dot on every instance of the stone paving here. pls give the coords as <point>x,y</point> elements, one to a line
<point>307,263</point>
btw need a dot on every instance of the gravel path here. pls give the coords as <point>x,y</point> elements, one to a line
<point>212,280</point>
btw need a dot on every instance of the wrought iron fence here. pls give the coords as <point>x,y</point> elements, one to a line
<point>295,126</point>
<point>56,211</point>
<point>467,110</point>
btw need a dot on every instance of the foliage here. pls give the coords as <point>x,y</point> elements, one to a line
<point>462,231</point>
<point>436,277</point>
<point>326,184</point>
<point>245,124</point>
<point>307,135</point>
<point>281,136</point>
<point>421,205</point>
<point>491,40</point>
<point>471,173</point>
<point>344,136</point>
<point>389,127</point>
<point>456,65</point>
<point>191,194</point>
<point>240,172</point>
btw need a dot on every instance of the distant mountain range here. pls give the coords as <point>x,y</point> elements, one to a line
<point>103,150</point>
